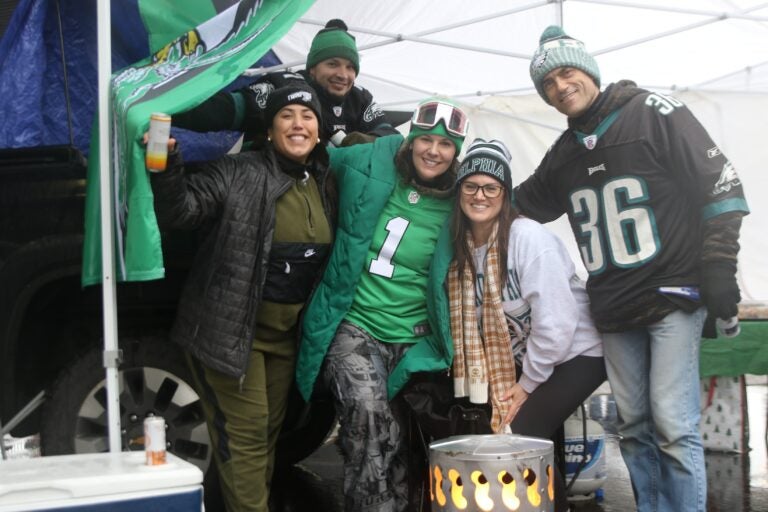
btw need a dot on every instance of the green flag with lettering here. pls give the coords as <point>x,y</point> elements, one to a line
<point>176,77</point>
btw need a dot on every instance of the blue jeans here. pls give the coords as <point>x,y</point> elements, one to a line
<point>654,376</point>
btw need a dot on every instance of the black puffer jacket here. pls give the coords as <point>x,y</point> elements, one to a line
<point>233,200</point>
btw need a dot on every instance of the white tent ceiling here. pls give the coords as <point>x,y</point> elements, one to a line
<point>413,48</point>
<point>712,54</point>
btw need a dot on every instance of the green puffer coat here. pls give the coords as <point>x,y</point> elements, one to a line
<point>366,177</point>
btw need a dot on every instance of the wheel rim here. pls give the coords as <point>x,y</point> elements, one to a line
<point>144,392</point>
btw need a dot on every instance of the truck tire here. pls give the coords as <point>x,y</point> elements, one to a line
<point>153,380</point>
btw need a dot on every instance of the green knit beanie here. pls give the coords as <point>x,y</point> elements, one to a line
<point>334,41</point>
<point>439,128</point>
<point>556,50</point>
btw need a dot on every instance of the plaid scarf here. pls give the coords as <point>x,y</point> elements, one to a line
<point>480,357</point>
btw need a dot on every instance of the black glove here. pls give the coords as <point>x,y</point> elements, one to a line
<point>719,290</point>
<point>357,138</point>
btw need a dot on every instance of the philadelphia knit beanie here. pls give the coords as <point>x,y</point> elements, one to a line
<point>487,157</point>
<point>334,41</point>
<point>556,50</point>
<point>294,94</point>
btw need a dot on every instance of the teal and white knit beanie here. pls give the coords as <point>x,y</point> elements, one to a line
<point>556,50</point>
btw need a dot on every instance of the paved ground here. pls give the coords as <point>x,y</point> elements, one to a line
<point>737,482</point>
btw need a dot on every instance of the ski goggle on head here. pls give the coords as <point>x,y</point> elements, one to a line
<point>430,113</point>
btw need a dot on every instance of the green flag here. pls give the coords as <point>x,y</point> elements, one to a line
<point>177,77</point>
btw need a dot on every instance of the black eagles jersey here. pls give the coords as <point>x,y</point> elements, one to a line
<point>636,193</point>
<point>356,112</point>
<point>243,110</point>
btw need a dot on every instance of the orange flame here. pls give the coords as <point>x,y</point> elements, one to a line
<point>550,484</point>
<point>439,494</point>
<point>508,489</point>
<point>532,481</point>
<point>431,484</point>
<point>457,489</point>
<point>482,490</point>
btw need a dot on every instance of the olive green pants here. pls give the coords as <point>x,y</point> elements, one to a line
<point>244,420</point>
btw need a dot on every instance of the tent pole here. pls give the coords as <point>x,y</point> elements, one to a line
<point>748,74</point>
<point>411,101</point>
<point>416,37</point>
<point>719,15</point>
<point>109,287</point>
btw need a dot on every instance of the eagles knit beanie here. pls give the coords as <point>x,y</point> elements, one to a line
<point>295,94</point>
<point>334,41</point>
<point>487,157</point>
<point>556,50</point>
<point>437,129</point>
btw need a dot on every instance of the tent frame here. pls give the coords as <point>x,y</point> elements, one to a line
<point>112,354</point>
<point>420,37</point>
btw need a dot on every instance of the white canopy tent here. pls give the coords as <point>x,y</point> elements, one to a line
<point>712,54</point>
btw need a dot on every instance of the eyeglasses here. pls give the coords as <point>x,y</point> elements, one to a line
<point>427,115</point>
<point>490,190</point>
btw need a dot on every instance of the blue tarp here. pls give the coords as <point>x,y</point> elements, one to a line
<point>33,96</point>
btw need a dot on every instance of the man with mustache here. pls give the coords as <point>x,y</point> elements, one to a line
<point>656,210</point>
<point>348,111</point>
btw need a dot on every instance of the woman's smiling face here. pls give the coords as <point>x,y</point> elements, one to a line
<point>432,155</point>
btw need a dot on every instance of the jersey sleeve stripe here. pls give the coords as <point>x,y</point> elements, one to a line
<point>736,204</point>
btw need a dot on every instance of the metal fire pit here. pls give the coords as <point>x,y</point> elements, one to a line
<point>492,472</point>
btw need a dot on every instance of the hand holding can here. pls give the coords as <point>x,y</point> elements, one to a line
<point>157,145</point>
<point>729,328</point>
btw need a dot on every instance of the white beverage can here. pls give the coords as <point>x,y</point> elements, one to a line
<point>729,328</point>
<point>157,145</point>
<point>154,440</point>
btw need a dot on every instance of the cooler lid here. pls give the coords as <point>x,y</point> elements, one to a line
<point>89,475</point>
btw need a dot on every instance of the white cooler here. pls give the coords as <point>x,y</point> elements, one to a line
<point>100,482</point>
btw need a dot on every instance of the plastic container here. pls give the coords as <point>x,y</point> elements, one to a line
<point>100,482</point>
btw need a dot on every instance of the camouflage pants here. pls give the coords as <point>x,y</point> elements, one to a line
<point>372,429</point>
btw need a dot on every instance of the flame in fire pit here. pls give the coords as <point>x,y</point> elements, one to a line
<point>482,490</point>
<point>508,489</point>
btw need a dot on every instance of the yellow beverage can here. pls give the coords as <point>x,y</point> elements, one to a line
<point>157,145</point>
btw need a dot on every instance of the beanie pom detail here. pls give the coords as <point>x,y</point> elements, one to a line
<point>336,23</point>
<point>551,32</point>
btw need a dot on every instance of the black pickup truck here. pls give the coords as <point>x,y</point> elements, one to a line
<point>51,330</point>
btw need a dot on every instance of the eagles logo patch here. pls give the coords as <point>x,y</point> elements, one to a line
<point>261,92</point>
<point>540,60</point>
<point>372,112</point>
<point>728,179</point>
<point>590,141</point>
